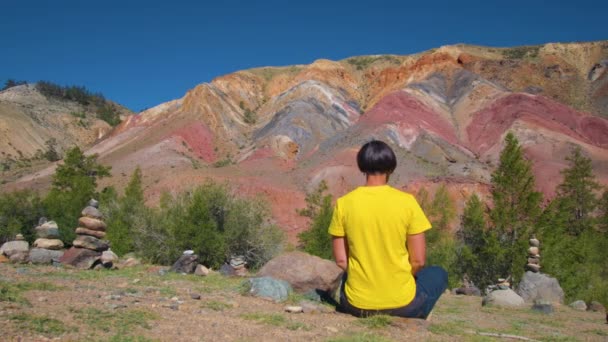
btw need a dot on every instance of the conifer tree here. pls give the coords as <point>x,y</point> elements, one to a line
<point>516,207</point>
<point>74,184</point>
<point>577,192</point>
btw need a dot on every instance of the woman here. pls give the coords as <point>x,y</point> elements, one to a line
<point>378,239</point>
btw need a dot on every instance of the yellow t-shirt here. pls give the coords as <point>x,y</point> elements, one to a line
<point>376,221</point>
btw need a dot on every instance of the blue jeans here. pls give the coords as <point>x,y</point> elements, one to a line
<point>431,282</point>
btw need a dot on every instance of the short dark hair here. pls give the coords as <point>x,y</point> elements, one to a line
<point>376,157</point>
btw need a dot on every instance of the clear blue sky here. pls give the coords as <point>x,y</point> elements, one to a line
<point>142,53</point>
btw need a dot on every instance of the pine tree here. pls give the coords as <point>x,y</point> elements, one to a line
<point>74,184</point>
<point>516,207</point>
<point>577,192</point>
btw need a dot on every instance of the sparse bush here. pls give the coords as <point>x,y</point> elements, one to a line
<point>12,83</point>
<point>19,213</point>
<point>319,210</point>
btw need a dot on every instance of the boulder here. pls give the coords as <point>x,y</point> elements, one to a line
<point>596,306</point>
<point>468,291</point>
<point>44,256</point>
<point>201,270</point>
<point>80,257</point>
<point>269,288</point>
<point>13,247</point>
<point>53,244</point>
<point>304,272</point>
<point>503,298</point>
<point>91,223</point>
<point>540,287</point>
<point>109,258</point>
<point>92,212</point>
<point>92,243</point>
<point>578,305</point>
<point>19,257</point>
<point>185,264</point>
<point>89,232</point>
<point>48,230</point>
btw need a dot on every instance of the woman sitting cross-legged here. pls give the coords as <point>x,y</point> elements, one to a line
<point>378,239</point>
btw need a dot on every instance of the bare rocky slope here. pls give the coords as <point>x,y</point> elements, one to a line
<point>280,131</point>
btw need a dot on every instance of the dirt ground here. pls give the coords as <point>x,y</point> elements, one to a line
<point>41,303</point>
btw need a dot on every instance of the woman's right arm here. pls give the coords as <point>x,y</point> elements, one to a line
<point>340,249</point>
<point>416,248</point>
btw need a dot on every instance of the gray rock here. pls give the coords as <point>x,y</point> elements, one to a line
<point>578,305</point>
<point>93,203</point>
<point>227,270</point>
<point>48,231</point>
<point>596,306</point>
<point>195,296</point>
<point>92,212</point>
<point>54,244</point>
<point>19,257</point>
<point>270,288</point>
<point>304,272</point>
<point>468,291</point>
<point>13,247</point>
<point>503,298</point>
<point>185,264</point>
<point>92,243</point>
<point>534,242</point>
<point>540,287</point>
<point>535,268</point>
<point>44,256</point>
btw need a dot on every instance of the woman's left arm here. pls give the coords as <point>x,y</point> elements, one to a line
<point>340,249</point>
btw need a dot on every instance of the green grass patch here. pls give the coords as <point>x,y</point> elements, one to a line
<point>123,338</point>
<point>360,337</point>
<point>46,326</point>
<point>376,322</point>
<point>447,328</point>
<point>216,305</point>
<point>120,321</point>
<point>270,319</point>
<point>297,326</point>
<point>598,332</point>
<point>12,292</point>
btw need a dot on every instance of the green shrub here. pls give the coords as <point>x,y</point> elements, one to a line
<point>319,210</point>
<point>19,213</point>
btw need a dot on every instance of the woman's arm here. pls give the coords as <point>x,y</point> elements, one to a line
<point>416,247</point>
<point>340,249</point>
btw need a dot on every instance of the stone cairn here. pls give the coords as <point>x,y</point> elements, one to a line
<point>236,267</point>
<point>47,247</point>
<point>88,246</point>
<point>533,264</point>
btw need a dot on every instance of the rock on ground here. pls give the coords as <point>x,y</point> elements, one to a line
<point>13,247</point>
<point>80,257</point>
<point>185,264</point>
<point>44,256</point>
<point>91,242</point>
<point>596,307</point>
<point>304,272</point>
<point>269,288</point>
<point>540,287</point>
<point>578,305</point>
<point>108,258</point>
<point>201,270</point>
<point>504,298</point>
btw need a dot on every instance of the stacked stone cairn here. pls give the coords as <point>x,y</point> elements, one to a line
<point>236,267</point>
<point>48,248</point>
<point>88,246</point>
<point>15,251</point>
<point>533,264</point>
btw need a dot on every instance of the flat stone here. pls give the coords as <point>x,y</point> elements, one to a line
<point>534,261</point>
<point>92,243</point>
<point>48,225</point>
<point>534,242</point>
<point>503,298</point>
<point>294,309</point>
<point>91,223</point>
<point>92,212</point>
<point>53,244</point>
<point>47,230</point>
<point>533,251</point>
<point>19,237</point>
<point>578,305</point>
<point>108,258</point>
<point>13,247</point>
<point>80,257</point>
<point>44,256</point>
<point>533,268</point>
<point>90,232</point>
